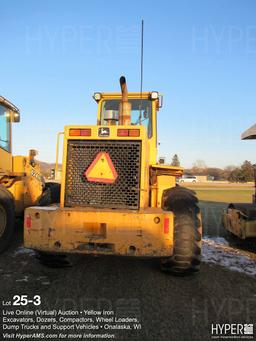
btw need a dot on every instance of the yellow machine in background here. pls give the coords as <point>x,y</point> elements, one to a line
<point>21,183</point>
<point>115,198</point>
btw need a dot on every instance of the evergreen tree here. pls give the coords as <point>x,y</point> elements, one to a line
<point>175,161</point>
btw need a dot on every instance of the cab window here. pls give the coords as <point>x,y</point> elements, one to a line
<point>5,129</point>
<point>141,112</point>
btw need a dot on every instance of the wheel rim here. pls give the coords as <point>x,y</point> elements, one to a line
<point>3,220</point>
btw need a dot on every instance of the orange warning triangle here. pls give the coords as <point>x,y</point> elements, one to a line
<point>101,169</point>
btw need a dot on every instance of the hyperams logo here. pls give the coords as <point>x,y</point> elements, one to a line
<point>232,331</point>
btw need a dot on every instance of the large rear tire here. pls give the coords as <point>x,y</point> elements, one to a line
<point>186,256</point>
<point>7,218</point>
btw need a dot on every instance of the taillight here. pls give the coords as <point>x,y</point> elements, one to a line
<point>80,132</point>
<point>28,222</point>
<point>85,132</point>
<point>166,225</point>
<point>128,132</point>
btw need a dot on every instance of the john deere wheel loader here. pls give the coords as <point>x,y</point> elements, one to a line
<point>240,218</point>
<point>21,183</point>
<point>115,198</point>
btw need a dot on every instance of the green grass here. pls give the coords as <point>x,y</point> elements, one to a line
<point>224,194</point>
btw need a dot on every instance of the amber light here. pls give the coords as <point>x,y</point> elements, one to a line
<point>80,132</point>
<point>134,132</point>
<point>122,132</point>
<point>128,132</point>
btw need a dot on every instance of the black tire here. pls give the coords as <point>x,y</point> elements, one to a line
<point>186,255</point>
<point>7,218</point>
<point>51,194</point>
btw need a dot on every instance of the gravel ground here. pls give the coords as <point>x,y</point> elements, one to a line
<point>169,308</point>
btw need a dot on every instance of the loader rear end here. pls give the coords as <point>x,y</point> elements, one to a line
<point>115,198</point>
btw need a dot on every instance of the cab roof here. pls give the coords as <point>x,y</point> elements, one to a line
<point>118,95</point>
<point>8,104</point>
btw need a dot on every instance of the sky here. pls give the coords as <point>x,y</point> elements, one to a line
<point>201,55</point>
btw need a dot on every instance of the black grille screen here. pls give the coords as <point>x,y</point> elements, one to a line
<point>123,193</point>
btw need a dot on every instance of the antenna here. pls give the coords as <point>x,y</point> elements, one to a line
<point>141,56</point>
<point>141,66</point>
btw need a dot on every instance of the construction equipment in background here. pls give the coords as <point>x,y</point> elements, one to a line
<point>240,218</point>
<point>115,198</point>
<point>21,182</point>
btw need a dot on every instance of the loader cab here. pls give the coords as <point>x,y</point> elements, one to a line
<point>8,114</point>
<point>141,113</point>
<point>5,129</point>
<point>144,109</point>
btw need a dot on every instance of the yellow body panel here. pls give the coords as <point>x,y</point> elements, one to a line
<point>162,177</point>
<point>126,233</point>
<point>18,174</point>
<point>5,162</point>
<point>24,183</point>
<point>239,226</point>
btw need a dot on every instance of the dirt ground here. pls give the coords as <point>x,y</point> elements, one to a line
<point>169,308</point>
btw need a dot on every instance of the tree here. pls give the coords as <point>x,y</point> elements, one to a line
<point>199,168</point>
<point>199,164</point>
<point>245,173</point>
<point>175,161</point>
<point>236,176</point>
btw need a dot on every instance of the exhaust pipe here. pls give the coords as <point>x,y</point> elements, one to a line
<point>125,106</point>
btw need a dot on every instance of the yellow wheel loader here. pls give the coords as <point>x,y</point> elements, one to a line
<point>115,198</point>
<point>21,183</point>
<point>240,218</point>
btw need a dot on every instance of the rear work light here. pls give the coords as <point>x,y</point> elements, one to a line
<point>97,96</point>
<point>128,132</point>
<point>154,95</point>
<point>80,132</point>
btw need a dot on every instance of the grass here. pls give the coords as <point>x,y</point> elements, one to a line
<point>224,193</point>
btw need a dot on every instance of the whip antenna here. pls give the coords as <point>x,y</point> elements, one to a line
<point>141,65</point>
<point>141,56</point>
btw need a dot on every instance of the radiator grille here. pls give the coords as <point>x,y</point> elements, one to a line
<point>123,193</point>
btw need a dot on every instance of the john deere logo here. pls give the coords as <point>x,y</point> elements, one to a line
<point>103,132</point>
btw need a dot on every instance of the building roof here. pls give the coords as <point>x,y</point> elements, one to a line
<point>249,134</point>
